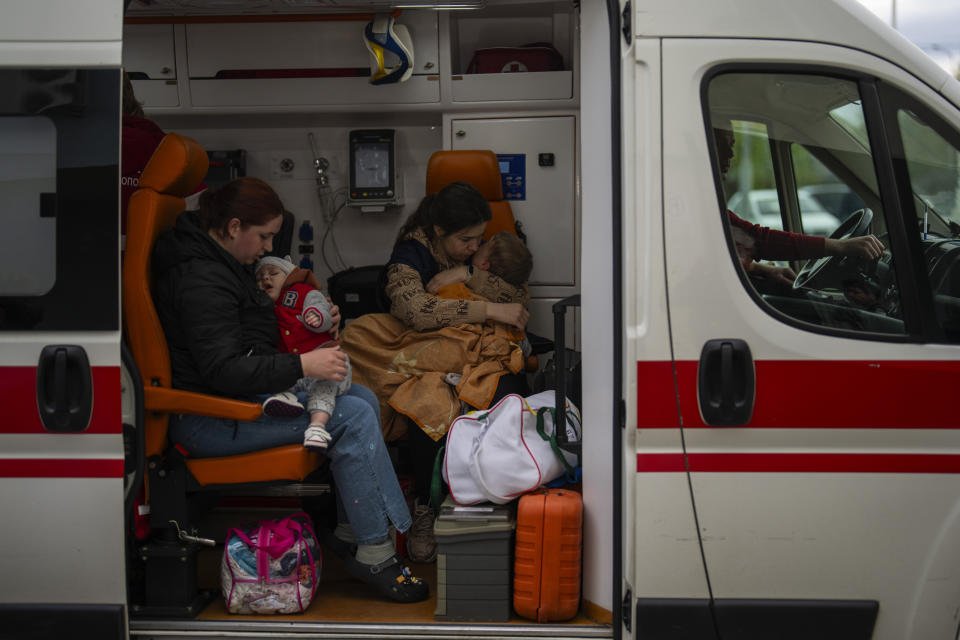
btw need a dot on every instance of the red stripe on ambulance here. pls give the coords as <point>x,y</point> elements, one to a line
<point>799,463</point>
<point>815,394</point>
<point>53,468</point>
<point>18,390</point>
<point>656,395</point>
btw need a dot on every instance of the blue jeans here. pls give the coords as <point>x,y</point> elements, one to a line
<point>365,480</point>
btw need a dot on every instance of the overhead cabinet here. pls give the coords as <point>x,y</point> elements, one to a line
<point>510,68</point>
<point>321,61</point>
<point>303,63</point>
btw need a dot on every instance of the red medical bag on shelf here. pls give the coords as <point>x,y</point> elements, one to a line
<point>538,56</point>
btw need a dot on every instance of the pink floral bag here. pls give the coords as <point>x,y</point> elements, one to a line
<point>272,566</point>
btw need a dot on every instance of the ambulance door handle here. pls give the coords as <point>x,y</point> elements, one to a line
<point>64,388</point>
<point>725,382</point>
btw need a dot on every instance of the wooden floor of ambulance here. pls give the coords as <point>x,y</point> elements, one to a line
<point>344,599</point>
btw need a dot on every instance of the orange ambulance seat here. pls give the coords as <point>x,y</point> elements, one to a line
<point>175,170</point>
<point>479,168</point>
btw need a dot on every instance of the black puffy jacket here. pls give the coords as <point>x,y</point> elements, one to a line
<point>220,326</point>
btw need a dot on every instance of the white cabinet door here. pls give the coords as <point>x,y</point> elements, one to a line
<point>148,51</point>
<point>150,59</point>
<point>215,48</point>
<point>304,64</point>
<point>543,164</point>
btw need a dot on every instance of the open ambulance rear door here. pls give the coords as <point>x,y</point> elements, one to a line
<point>61,448</point>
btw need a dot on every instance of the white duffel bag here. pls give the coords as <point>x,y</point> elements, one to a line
<point>497,454</point>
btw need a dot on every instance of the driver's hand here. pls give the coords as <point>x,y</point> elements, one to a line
<point>867,247</point>
<point>782,275</point>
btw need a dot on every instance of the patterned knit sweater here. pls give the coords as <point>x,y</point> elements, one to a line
<point>413,263</point>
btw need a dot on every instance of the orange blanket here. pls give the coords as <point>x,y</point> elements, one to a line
<point>406,369</point>
<point>459,291</point>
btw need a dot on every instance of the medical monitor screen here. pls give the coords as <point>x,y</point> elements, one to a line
<point>372,165</point>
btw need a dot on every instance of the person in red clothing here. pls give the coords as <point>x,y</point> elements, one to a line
<point>755,242</point>
<point>139,138</point>
<point>306,322</point>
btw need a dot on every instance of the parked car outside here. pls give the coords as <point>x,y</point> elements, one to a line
<point>836,198</point>
<point>762,206</point>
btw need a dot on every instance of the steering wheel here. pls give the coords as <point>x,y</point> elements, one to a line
<point>855,225</point>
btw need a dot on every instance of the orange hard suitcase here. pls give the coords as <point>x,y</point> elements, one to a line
<point>546,571</point>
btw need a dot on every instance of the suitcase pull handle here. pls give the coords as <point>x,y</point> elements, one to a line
<point>560,355</point>
<point>438,488</point>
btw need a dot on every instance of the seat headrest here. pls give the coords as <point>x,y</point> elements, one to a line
<point>478,167</point>
<point>177,166</point>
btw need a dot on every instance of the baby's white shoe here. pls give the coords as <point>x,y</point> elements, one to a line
<point>316,437</point>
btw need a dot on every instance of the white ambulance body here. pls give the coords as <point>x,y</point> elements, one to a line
<point>760,460</point>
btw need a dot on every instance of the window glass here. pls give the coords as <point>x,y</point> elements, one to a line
<point>821,193</point>
<point>849,116</point>
<point>799,229</point>
<point>59,180</point>
<point>750,181</point>
<point>933,164</point>
<point>28,186</point>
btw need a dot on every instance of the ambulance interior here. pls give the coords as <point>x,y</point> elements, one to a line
<point>285,91</point>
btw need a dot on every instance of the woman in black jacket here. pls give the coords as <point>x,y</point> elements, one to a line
<point>222,334</point>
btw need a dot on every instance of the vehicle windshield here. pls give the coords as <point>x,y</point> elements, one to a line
<point>934,168</point>
<point>933,164</point>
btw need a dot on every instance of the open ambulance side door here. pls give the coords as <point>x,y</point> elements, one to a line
<point>61,449</point>
<point>822,447</point>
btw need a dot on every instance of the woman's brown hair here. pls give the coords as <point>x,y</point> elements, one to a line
<point>250,200</point>
<point>457,206</point>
